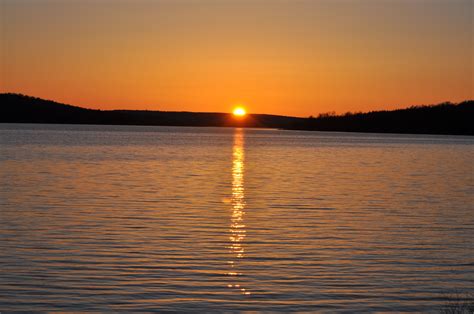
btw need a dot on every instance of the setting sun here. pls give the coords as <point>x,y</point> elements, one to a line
<point>239,111</point>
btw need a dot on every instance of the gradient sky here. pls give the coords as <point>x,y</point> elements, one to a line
<point>293,57</point>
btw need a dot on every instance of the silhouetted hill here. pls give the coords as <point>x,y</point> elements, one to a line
<point>16,108</point>
<point>444,118</point>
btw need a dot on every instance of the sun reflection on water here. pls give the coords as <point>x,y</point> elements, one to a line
<point>237,225</point>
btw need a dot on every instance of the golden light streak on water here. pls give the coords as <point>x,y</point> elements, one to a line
<point>237,225</point>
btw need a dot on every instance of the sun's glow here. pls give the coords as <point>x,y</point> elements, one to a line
<point>239,111</point>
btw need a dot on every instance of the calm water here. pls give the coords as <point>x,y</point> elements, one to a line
<point>168,218</point>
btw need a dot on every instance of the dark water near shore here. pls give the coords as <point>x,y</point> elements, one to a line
<point>168,218</point>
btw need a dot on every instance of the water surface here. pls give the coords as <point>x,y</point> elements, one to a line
<point>173,218</point>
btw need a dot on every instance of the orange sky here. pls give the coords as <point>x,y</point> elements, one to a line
<point>292,57</point>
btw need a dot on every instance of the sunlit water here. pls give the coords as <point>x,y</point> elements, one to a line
<point>202,219</point>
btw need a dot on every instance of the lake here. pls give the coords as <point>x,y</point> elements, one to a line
<point>129,218</point>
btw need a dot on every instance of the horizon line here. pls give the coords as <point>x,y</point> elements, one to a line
<point>248,113</point>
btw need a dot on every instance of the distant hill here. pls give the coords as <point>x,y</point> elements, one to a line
<point>446,118</point>
<point>17,108</point>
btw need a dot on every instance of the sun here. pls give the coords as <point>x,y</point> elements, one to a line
<point>239,111</point>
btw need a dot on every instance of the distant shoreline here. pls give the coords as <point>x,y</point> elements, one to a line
<point>445,118</point>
